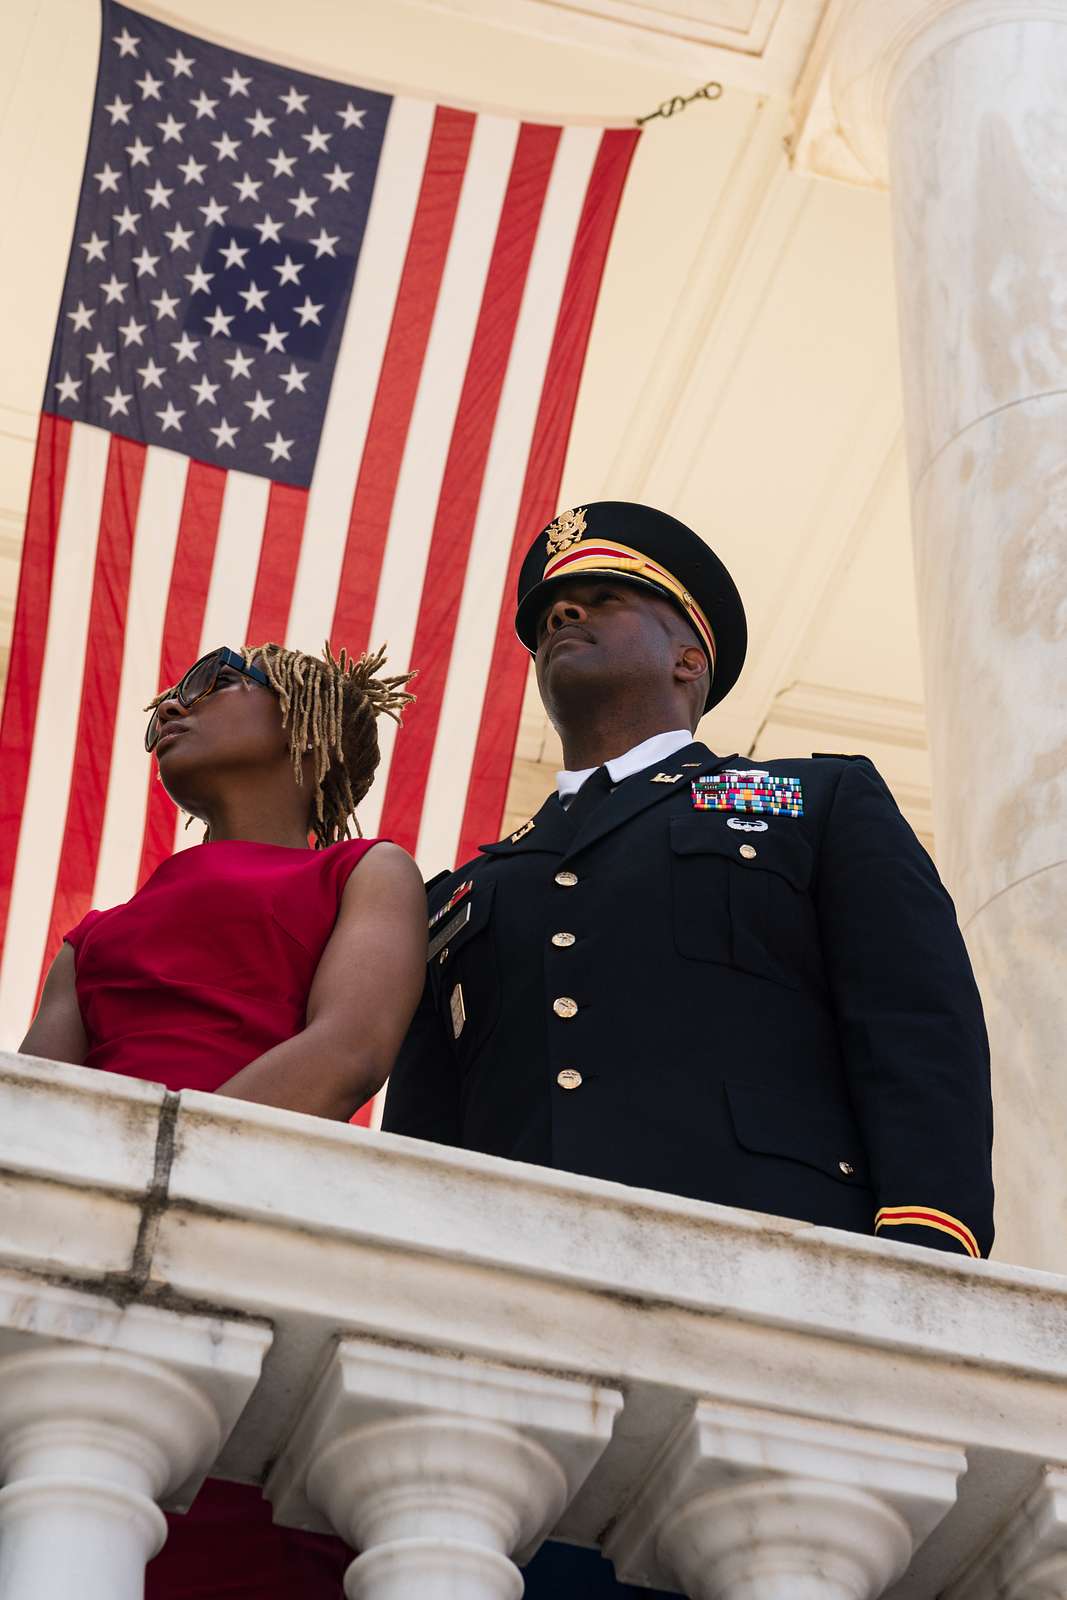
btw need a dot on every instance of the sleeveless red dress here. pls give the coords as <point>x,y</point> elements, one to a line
<point>208,966</point>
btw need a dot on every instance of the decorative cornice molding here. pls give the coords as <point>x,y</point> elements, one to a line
<point>864,51</point>
<point>848,714</point>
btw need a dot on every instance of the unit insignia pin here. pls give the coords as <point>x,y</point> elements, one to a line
<point>520,833</point>
<point>666,777</point>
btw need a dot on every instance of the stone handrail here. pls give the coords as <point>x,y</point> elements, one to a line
<point>446,1357</point>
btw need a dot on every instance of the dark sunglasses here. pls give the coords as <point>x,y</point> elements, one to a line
<point>201,679</point>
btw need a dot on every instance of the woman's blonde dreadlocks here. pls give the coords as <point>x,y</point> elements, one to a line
<point>330,708</point>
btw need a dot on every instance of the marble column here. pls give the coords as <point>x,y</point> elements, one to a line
<point>442,1472</point>
<point>961,105</point>
<point>1027,1558</point>
<point>89,1440</point>
<point>759,1505</point>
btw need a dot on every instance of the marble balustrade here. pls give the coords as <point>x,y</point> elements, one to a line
<point>446,1358</point>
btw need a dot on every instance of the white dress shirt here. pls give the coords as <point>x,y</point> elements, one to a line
<point>659,748</point>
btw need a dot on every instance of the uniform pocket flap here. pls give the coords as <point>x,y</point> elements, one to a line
<point>772,1124</point>
<point>783,849</point>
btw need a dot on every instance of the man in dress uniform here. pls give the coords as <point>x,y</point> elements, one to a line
<point>734,980</point>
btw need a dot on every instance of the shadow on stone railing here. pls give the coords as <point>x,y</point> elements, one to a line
<point>446,1357</point>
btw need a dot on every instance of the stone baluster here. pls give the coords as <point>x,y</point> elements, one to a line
<point>1027,1560</point>
<point>752,1505</point>
<point>120,1411</point>
<point>439,1471</point>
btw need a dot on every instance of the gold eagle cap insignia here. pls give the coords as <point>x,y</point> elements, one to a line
<point>566,530</point>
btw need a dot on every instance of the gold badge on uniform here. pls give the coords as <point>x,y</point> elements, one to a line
<point>666,777</point>
<point>520,833</point>
<point>459,1011</point>
<point>566,530</point>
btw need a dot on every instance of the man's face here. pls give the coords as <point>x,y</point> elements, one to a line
<point>598,634</point>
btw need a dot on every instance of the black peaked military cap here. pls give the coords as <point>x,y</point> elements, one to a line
<point>637,544</point>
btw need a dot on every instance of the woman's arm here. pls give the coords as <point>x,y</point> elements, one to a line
<point>57,1031</point>
<point>362,999</point>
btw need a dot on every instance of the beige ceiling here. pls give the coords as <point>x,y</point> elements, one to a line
<point>743,366</point>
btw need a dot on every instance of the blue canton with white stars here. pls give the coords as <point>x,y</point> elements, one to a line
<point>222,213</point>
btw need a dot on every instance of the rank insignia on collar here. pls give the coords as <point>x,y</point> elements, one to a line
<point>666,777</point>
<point>520,833</point>
<point>456,896</point>
<point>752,791</point>
<point>566,530</point>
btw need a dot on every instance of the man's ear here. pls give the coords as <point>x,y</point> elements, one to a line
<point>692,663</point>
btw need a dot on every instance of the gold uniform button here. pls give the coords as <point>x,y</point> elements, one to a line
<point>565,1006</point>
<point>563,940</point>
<point>566,880</point>
<point>748,851</point>
<point>847,1168</point>
<point>569,1079</point>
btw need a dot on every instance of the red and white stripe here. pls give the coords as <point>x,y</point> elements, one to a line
<point>441,455</point>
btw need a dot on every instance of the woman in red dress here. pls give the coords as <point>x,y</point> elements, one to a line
<point>254,966</point>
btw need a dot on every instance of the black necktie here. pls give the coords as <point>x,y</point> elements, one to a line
<point>592,794</point>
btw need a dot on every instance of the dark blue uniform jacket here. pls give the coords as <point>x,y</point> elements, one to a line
<point>781,1018</point>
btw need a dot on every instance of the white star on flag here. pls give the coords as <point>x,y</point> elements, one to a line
<point>294,379</point>
<point>204,391</point>
<point>165,306</point>
<point>198,280</point>
<point>350,117</point>
<point>293,101</point>
<point>268,229</point>
<point>114,290</point>
<point>171,417</point>
<point>282,164</point>
<point>227,148</point>
<point>132,331</point>
<point>273,339</point>
<point>219,323</point>
<point>307,312</point>
<point>203,106</point>
<point>233,254</point>
<point>138,152</point>
<point>248,187</point>
<point>260,124</point>
<point>127,220</point>
<point>94,248</point>
<point>100,359</point>
<point>337,179</point>
<point>185,347</point>
<point>145,263</point>
<point>213,212</point>
<point>150,374</point>
<point>149,86</point>
<point>192,170</point>
<point>279,447</point>
<point>67,387</point>
<point>118,402</point>
<point>107,178</point>
<point>179,237</point>
<point>119,110</point>
<point>303,204</point>
<point>236,83</point>
<point>159,196</point>
<point>127,42</point>
<point>182,65</point>
<point>253,297</point>
<point>171,129</point>
<point>324,243</point>
<point>224,434</point>
<point>289,271</point>
<point>81,317</point>
<point>316,139</point>
<point>239,364</point>
<point>259,406</point>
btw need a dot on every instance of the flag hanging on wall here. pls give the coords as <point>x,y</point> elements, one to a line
<point>314,373</point>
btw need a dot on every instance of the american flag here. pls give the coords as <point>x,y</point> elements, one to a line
<point>314,373</point>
